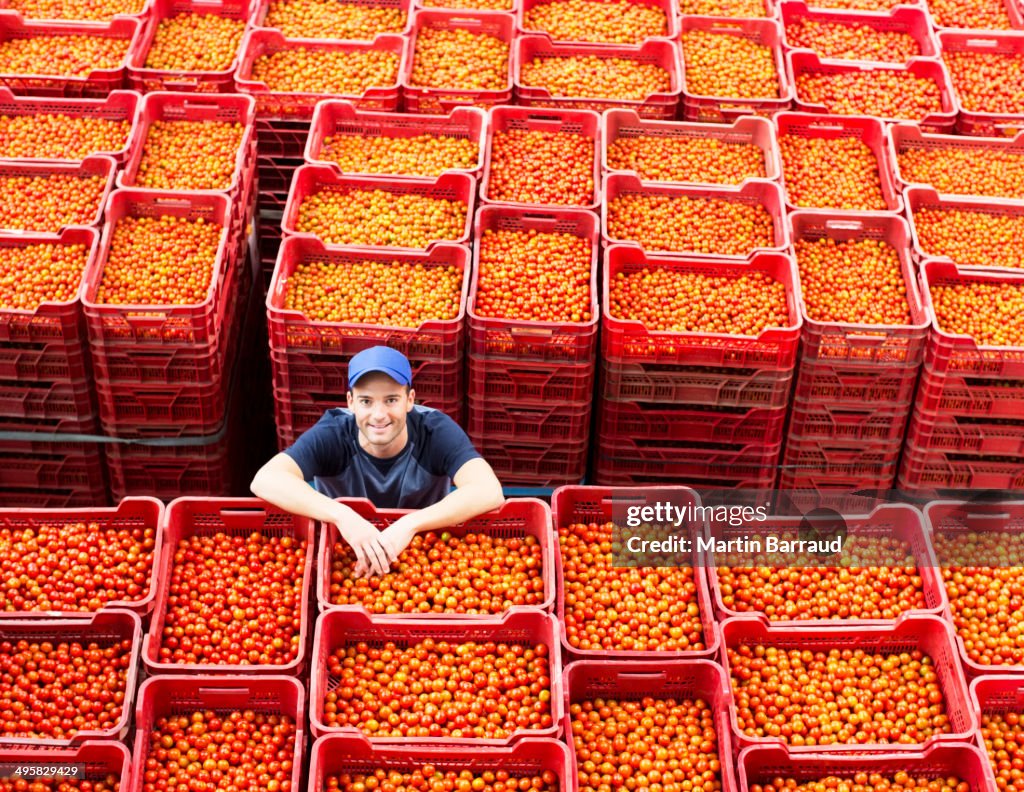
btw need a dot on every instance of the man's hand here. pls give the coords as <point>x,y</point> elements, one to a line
<point>397,536</point>
<point>367,544</point>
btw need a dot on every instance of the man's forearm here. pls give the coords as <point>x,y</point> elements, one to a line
<point>458,506</point>
<point>296,496</point>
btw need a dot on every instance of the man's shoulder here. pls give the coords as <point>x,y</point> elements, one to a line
<point>432,426</point>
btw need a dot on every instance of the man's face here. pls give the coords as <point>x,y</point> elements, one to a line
<point>380,406</point>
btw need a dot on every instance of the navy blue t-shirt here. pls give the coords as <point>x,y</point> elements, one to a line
<point>420,475</point>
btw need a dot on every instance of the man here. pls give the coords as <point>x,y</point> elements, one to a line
<point>389,449</point>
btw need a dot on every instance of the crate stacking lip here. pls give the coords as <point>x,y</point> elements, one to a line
<point>619,124</point>
<point>516,518</point>
<point>648,421</point>
<point>966,434</point>
<point>978,121</point>
<point>334,118</point>
<point>880,422</point>
<point>927,471</point>
<point>561,423</point>
<point>847,383</point>
<point>94,166</point>
<point>868,130</point>
<point>529,383</point>
<point>668,8</point>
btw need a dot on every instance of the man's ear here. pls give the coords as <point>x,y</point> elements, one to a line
<point>348,398</point>
<point>412,399</point>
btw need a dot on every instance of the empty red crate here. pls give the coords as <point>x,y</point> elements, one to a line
<point>529,383</point>
<point>850,383</point>
<point>582,123</point>
<point>532,463</point>
<point>179,107</point>
<point>897,521</point>
<point>718,109</point>
<point>261,10</point>
<point>925,471</point>
<point>646,421</point>
<point>978,121</point>
<point>966,435</point>
<point>338,629</point>
<point>515,518</point>
<point>93,760</point>
<point>131,514</point>
<point>629,341</point>
<point>668,8</point>
<point>443,99</point>
<point>748,131</point>
<point>299,105</point>
<point>765,764</point>
<point>98,83</point>
<point>868,130</point>
<point>926,633</point>
<point>337,754</point>
<point>597,504</point>
<point>767,195</point>
<point>961,354</point>
<point>93,166</point>
<point>292,332</point>
<point>803,62</point>
<point>312,179</point>
<point>996,695</point>
<point>529,422</point>
<point>188,517</point>
<point>849,421</point>
<point>908,20</point>
<point>334,119</point>
<point>122,106</point>
<point>840,341</point>
<point>167,324</point>
<point>674,680</point>
<point>56,324</point>
<point>672,385</point>
<point>180,695</point>
<point>664,54</point>
<point>531,341</point>
<point>106,628</point>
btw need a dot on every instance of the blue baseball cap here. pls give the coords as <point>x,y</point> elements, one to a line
<point>383,359</point>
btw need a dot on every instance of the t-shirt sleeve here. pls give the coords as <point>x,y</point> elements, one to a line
<point>450,447</point>
<point>319,451</point>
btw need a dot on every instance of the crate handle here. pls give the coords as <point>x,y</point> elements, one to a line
<point>535,332</point>
<point>980,42</point>
<point>172,203</point>
<point>844,225</point>
<point>224,692</point>
<point>540,118</point>
<point>641,675</point>
<point>867,338</point>
<point>1000,516</point>
<point>825,126</point>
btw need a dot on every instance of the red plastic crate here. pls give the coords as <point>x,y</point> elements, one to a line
<point>749,131</point>
<point>839,457</point>
<point>952,395</point>
<point>850,383</point>
<point>764,194</point>
<point>537,383</point>
<point>641,475</point>
<point>872,423</point>
<point>600,504</point>
<point>995,695</point>
<point>312,179</point>
<point>910,20</point>
<point>719,109</point>
<point>534,464</point>
<point>896,521</point>
<point>500,421</point>
<point>667,7</point>
<point>683,385</point>
<point>868,130</point>
<point>299,106</point>
<point>116,106</point>
<point>146,80</point>
<point>804,62</point>
<point>46,402</point>
<point>42,363</point>
<point>92,166</point>
<point>168,324</point>
<point>435,101</point>
<point>290,331</point>
<point>761,765</point>
<point>838,342</point>
<point>52,465</point>
<point>297,373</point>
<point>644,421</point>
<point>927,633</point>
<point>1014,14</point>
<point>105,628</point>
<point>959,354</point>
<point>965,435</point>
<point>93,760</point>
<point>165,696</point>
<point>665,54</point>
<point>99,83</point>
<point>525,341</point>
<point>58,325</point>
<point>129,514</point>
<point>959,522</point>
<point>171,107</point>
<point>922,198</point>
<point>336,754</point>
<point>702,461</point>
<point>516,517</point>
<point>677,680</point>
<point>926,471</point>
<point>1007,43</point>
<point>163,411</point>
<point>8,7</point>
<point>166,472</point>
<point>261,8</point>
<point>338,628</point>
<point>187,517</point>
<point>629,341</point>
<point>58,498</point>
<point>340,118</point>
<point>584,123</point>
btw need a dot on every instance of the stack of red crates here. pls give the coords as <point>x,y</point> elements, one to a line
<point>166,372</point>
<point>855,383</point>
<point>45,374</point>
